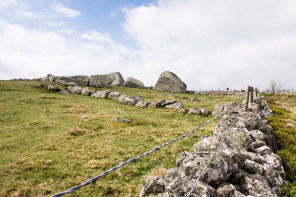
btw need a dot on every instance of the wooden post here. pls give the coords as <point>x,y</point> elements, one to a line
<point>247,99</point>
<point>252,94</point>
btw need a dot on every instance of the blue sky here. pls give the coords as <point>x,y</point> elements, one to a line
<point>209,44</point>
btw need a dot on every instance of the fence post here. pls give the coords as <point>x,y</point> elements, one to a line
<point>247,99</point>
<point>252,94</point>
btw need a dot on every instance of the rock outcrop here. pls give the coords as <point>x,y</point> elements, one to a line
<point>133,83</point>
<point>168,81</point>
<point>79,80</point>
<point>99,81</point>
<point>111,79</point>
<point>117,79</point>
<point>244,165</point>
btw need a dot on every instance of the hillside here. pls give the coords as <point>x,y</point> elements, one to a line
<point>47,147</point>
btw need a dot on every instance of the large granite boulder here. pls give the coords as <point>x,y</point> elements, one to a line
<point>117,79</point>
<point>79,80</point>
<point>133,83</point>
<point>100,80</point>
<point>170,82</point>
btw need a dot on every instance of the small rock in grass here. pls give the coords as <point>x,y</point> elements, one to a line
<point>123,120</point>
<point>195,100</point>
<point>83,117</point>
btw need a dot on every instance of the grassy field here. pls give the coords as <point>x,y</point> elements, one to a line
<point>284,124</point>
<point>46,147</point>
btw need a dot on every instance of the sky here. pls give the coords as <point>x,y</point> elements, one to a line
<point>213,44</point>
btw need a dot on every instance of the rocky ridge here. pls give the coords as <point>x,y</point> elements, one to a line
<point>245,164</point>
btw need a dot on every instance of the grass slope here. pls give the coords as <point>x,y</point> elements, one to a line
<point>39,156</point>
<point>284,124</point>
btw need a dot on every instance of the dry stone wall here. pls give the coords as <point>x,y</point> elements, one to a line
<point>245,163</point>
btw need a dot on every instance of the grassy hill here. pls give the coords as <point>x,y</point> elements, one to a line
<point>46,146</point>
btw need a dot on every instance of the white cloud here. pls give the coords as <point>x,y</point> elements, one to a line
<point>34,53</point>
<point>6,3</point>
<point>61,10</point>
<point>113,14</point>
<point>217,44</point>
<point>208,44</point>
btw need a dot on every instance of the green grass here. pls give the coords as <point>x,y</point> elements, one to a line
<point>40,157</point>
<point>284,124</point>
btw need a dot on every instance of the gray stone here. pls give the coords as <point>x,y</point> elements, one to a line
<point>256,144</point>
<point>253,167</point>
<point>85,91</point>
<point>53,87</point>
<point>133,83</point>
<point>205,111</point>
<point>218,110</point>
<point>100,81</point>
<point>129,100</point>
<point>50,77</point>
<point>44,79</point>
<point>274,161</point>
<point>74,89</point>
<point>79,80</point>
<point>114,95</point>
<point>195,100</point>
<point>176,105</point>
<point>153,185</point>
<point>117,79</point>
<point>263,150</point>
<point>168,81</point>
<point>101,94</point>
<point>256,157</point>
<point>195,111</point>
<point>273,176</point>
<point>143,104</point>
<point>229,190</point>
<point>123,120</point>
<point>257,185</point>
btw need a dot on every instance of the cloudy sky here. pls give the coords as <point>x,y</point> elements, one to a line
<point>209,44</point>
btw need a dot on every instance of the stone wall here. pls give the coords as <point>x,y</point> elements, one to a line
<point>245,163</point>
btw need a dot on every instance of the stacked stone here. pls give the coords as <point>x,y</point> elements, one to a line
<point>244,165</point>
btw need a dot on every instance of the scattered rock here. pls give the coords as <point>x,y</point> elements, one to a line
<point>53,87</point>
<point>168,81</point>
<point>85,91</point>
<point>129,100</point>
<point>101,94</point>
<point>195,100</point>
<point>176,105</point>
<point>143,104</point>
<point>195,111</point>
<point>205,111</point>
<point>123,120</point>
<point>114,95</point>
<point>74,89</point>
<point>133,83</point>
